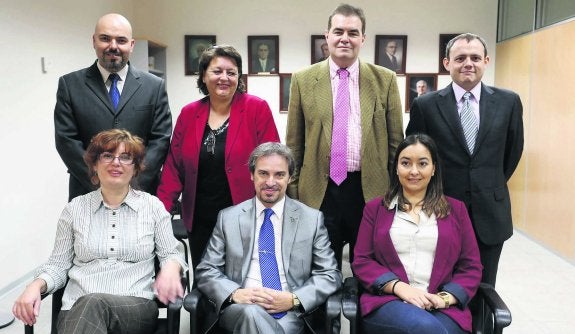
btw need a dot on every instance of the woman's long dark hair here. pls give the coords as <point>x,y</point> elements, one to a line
<point>434,200</point>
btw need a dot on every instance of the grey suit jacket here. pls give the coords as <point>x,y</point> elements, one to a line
<point>309,262</point>
<point>478,179</point>
<point>83,108</point>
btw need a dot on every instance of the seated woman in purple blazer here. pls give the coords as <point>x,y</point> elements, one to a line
<point>416,255</point>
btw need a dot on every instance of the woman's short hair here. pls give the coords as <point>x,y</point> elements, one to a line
<point>216,51</point>
<point>108,141</point>
<point>434,200</point>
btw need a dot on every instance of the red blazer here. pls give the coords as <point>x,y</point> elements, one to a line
<point>456,268</point>
<point>251,123</point>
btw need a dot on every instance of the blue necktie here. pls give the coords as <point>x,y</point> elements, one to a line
<point>268,263</point>
<point>468,122</point>
<point>114,92</point>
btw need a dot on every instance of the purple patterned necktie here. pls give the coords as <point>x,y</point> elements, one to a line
<point>267,253</point>
<point>338,161</point>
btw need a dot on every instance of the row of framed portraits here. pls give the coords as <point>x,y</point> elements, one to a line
<point>263,52</point>
<point>416,84</point>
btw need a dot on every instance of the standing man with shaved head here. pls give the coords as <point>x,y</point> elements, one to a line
<point>111,94</point>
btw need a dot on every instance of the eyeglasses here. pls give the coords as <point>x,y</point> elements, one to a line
<point>124,158</point>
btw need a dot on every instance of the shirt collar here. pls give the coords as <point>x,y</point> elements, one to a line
<point>475,91</point>
<point>278,208</point>
<point>131,200</point>
<point>353,69</point>
<point>393,203</point>
<point>123,73</point>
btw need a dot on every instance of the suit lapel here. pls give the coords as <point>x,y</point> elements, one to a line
<point>201,117</point>
<point>131,85</point>
<point>323,98</point>
<point>442,255</point>
<point>447,106</point>
<point>247,223</point>
<point>487,113</point>
<point>367,101</point>
<point>291,221</point>
<point>236,120</point>
<point>96,85</point>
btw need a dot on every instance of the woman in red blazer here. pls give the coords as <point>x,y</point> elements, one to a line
<point>211,143</point>
<point>416,255</point>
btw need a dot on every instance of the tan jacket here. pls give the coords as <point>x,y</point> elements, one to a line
<point>309,127</point>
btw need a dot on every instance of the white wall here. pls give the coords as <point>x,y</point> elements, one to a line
<point>34,180</point>
<point>294,21</point>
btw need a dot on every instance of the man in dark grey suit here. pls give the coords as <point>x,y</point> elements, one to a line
<point>478,130</point>
<point>84,106</point>
<point>231,273</point>
<point>477,175</point>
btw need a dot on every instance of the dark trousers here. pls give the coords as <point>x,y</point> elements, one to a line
<point>101,313</point>
<point>342,208</point>
<point>490,255</point>
<point>198,239</point>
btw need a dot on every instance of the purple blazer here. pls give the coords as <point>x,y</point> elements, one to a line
<point>456,268</point>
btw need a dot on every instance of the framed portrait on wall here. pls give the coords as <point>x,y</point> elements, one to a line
<point>443,40</point>
<point>263,54</point>
<point>194,46</point>
<point>319,49</point>
<point>285,82</point>
<point>391,52</point>
<point>418,84</point>
<point>244,78</point>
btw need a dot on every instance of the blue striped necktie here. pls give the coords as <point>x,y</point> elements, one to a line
<point>468,122</point>
<point>114,92</point>
<point>268,263</point>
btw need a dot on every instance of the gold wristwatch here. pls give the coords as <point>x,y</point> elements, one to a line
<point>445,296</point>
<point>296,302</point>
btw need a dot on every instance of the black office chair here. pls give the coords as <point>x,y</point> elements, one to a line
<point>326,318</point>
<point>181,234</point>
<point>486,293</point>
<point>168,325</point>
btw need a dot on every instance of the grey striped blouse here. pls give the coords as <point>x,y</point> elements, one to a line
<point>104,250</point>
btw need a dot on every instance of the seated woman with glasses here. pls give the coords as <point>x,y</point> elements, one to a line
<point>211,144</point>
<point>106,244</point>
<point>416,255</point>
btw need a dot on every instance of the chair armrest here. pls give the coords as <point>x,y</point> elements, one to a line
<point>30,329</point>
<point>173,316</point>
<point>191,304</point>
<point>333,312</point>
<point>350,302</point>
<point>501,313</point>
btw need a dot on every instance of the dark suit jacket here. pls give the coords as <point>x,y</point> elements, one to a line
<point>251,123</point>
<point>257,67</point>
<point>309,127</point>
<point>456,269</point>
<point>83,109</point>
<point>309,263</point>
<point>386,62</point>
<point>480,180</point>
